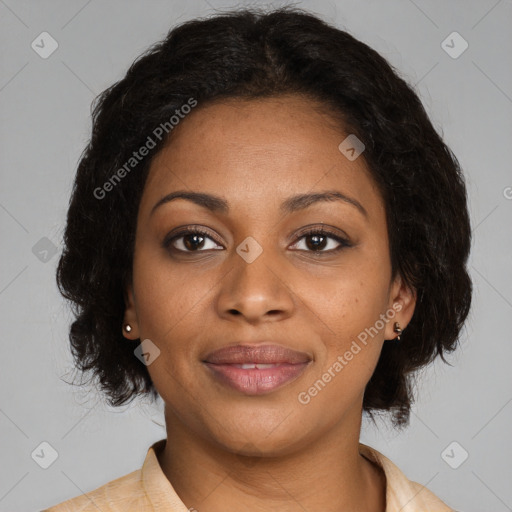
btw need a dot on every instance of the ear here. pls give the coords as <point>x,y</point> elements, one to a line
<point>402,300</point>
<point>130,315</point>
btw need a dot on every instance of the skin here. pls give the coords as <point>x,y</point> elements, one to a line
<point>226,450</point>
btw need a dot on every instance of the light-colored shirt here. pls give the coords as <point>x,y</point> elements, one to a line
<point>148,489</point>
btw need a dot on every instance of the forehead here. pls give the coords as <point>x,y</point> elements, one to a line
<point>256,152</point>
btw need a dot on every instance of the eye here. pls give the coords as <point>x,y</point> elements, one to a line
<point>190,240</point>
<point>316,240</point>
<point>194,239</point>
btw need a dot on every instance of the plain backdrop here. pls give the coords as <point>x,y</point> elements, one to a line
<point>463,410</point>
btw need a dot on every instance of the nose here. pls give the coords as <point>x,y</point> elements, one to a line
<point>256,291</point>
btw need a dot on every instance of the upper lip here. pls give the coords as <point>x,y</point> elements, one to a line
<point>263,354</point>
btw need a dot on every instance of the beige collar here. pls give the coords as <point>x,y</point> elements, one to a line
<point>402,494</point>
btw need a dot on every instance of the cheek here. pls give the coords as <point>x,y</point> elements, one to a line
<point>165,315</point>
<point>351,307</point>
<point>166,295</point>
<point>349,353</point>
<point>170,312</point>
<point>349,300</point>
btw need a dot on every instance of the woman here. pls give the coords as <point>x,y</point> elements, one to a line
<point>267,232</point>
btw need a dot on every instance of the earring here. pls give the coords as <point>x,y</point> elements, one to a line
<point>128,328</point>
<point>397,330</point>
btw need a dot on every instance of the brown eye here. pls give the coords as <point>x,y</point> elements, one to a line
<point>318,240</point>
<point>191,240</point>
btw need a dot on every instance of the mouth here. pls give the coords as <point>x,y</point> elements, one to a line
<point>256,370</point>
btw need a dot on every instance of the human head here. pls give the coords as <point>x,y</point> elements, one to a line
<point>250,55</point>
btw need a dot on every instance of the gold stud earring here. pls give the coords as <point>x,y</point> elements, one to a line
<point>398,330</point>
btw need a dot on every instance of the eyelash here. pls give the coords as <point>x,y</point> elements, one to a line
<point>344,243</point>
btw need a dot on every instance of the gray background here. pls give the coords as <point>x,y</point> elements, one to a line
<point>45,109</point>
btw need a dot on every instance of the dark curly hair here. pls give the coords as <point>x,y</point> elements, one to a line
<point>249,54</point>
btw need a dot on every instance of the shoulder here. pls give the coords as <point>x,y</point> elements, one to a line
<point>401,493</point>
<point>124,493</point>
<point>129,492</point>
<point>425,498</point>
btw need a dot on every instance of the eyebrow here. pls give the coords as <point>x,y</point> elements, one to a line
<point>217,204</point>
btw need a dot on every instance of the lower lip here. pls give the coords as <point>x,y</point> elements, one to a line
<point>254,381</point>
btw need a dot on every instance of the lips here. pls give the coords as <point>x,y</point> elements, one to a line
<point>262,354</point>
<point>256,369</point>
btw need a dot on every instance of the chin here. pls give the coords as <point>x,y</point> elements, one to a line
<point>269,439</point>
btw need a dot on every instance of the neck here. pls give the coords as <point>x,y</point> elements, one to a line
<point>327,475</point>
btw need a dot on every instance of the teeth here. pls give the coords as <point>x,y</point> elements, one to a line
<point>259,366</point>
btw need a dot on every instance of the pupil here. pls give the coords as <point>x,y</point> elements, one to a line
<point>316,245</point>
<point>195,237</point>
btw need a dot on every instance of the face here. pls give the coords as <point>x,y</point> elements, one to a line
<point>299,280</point>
